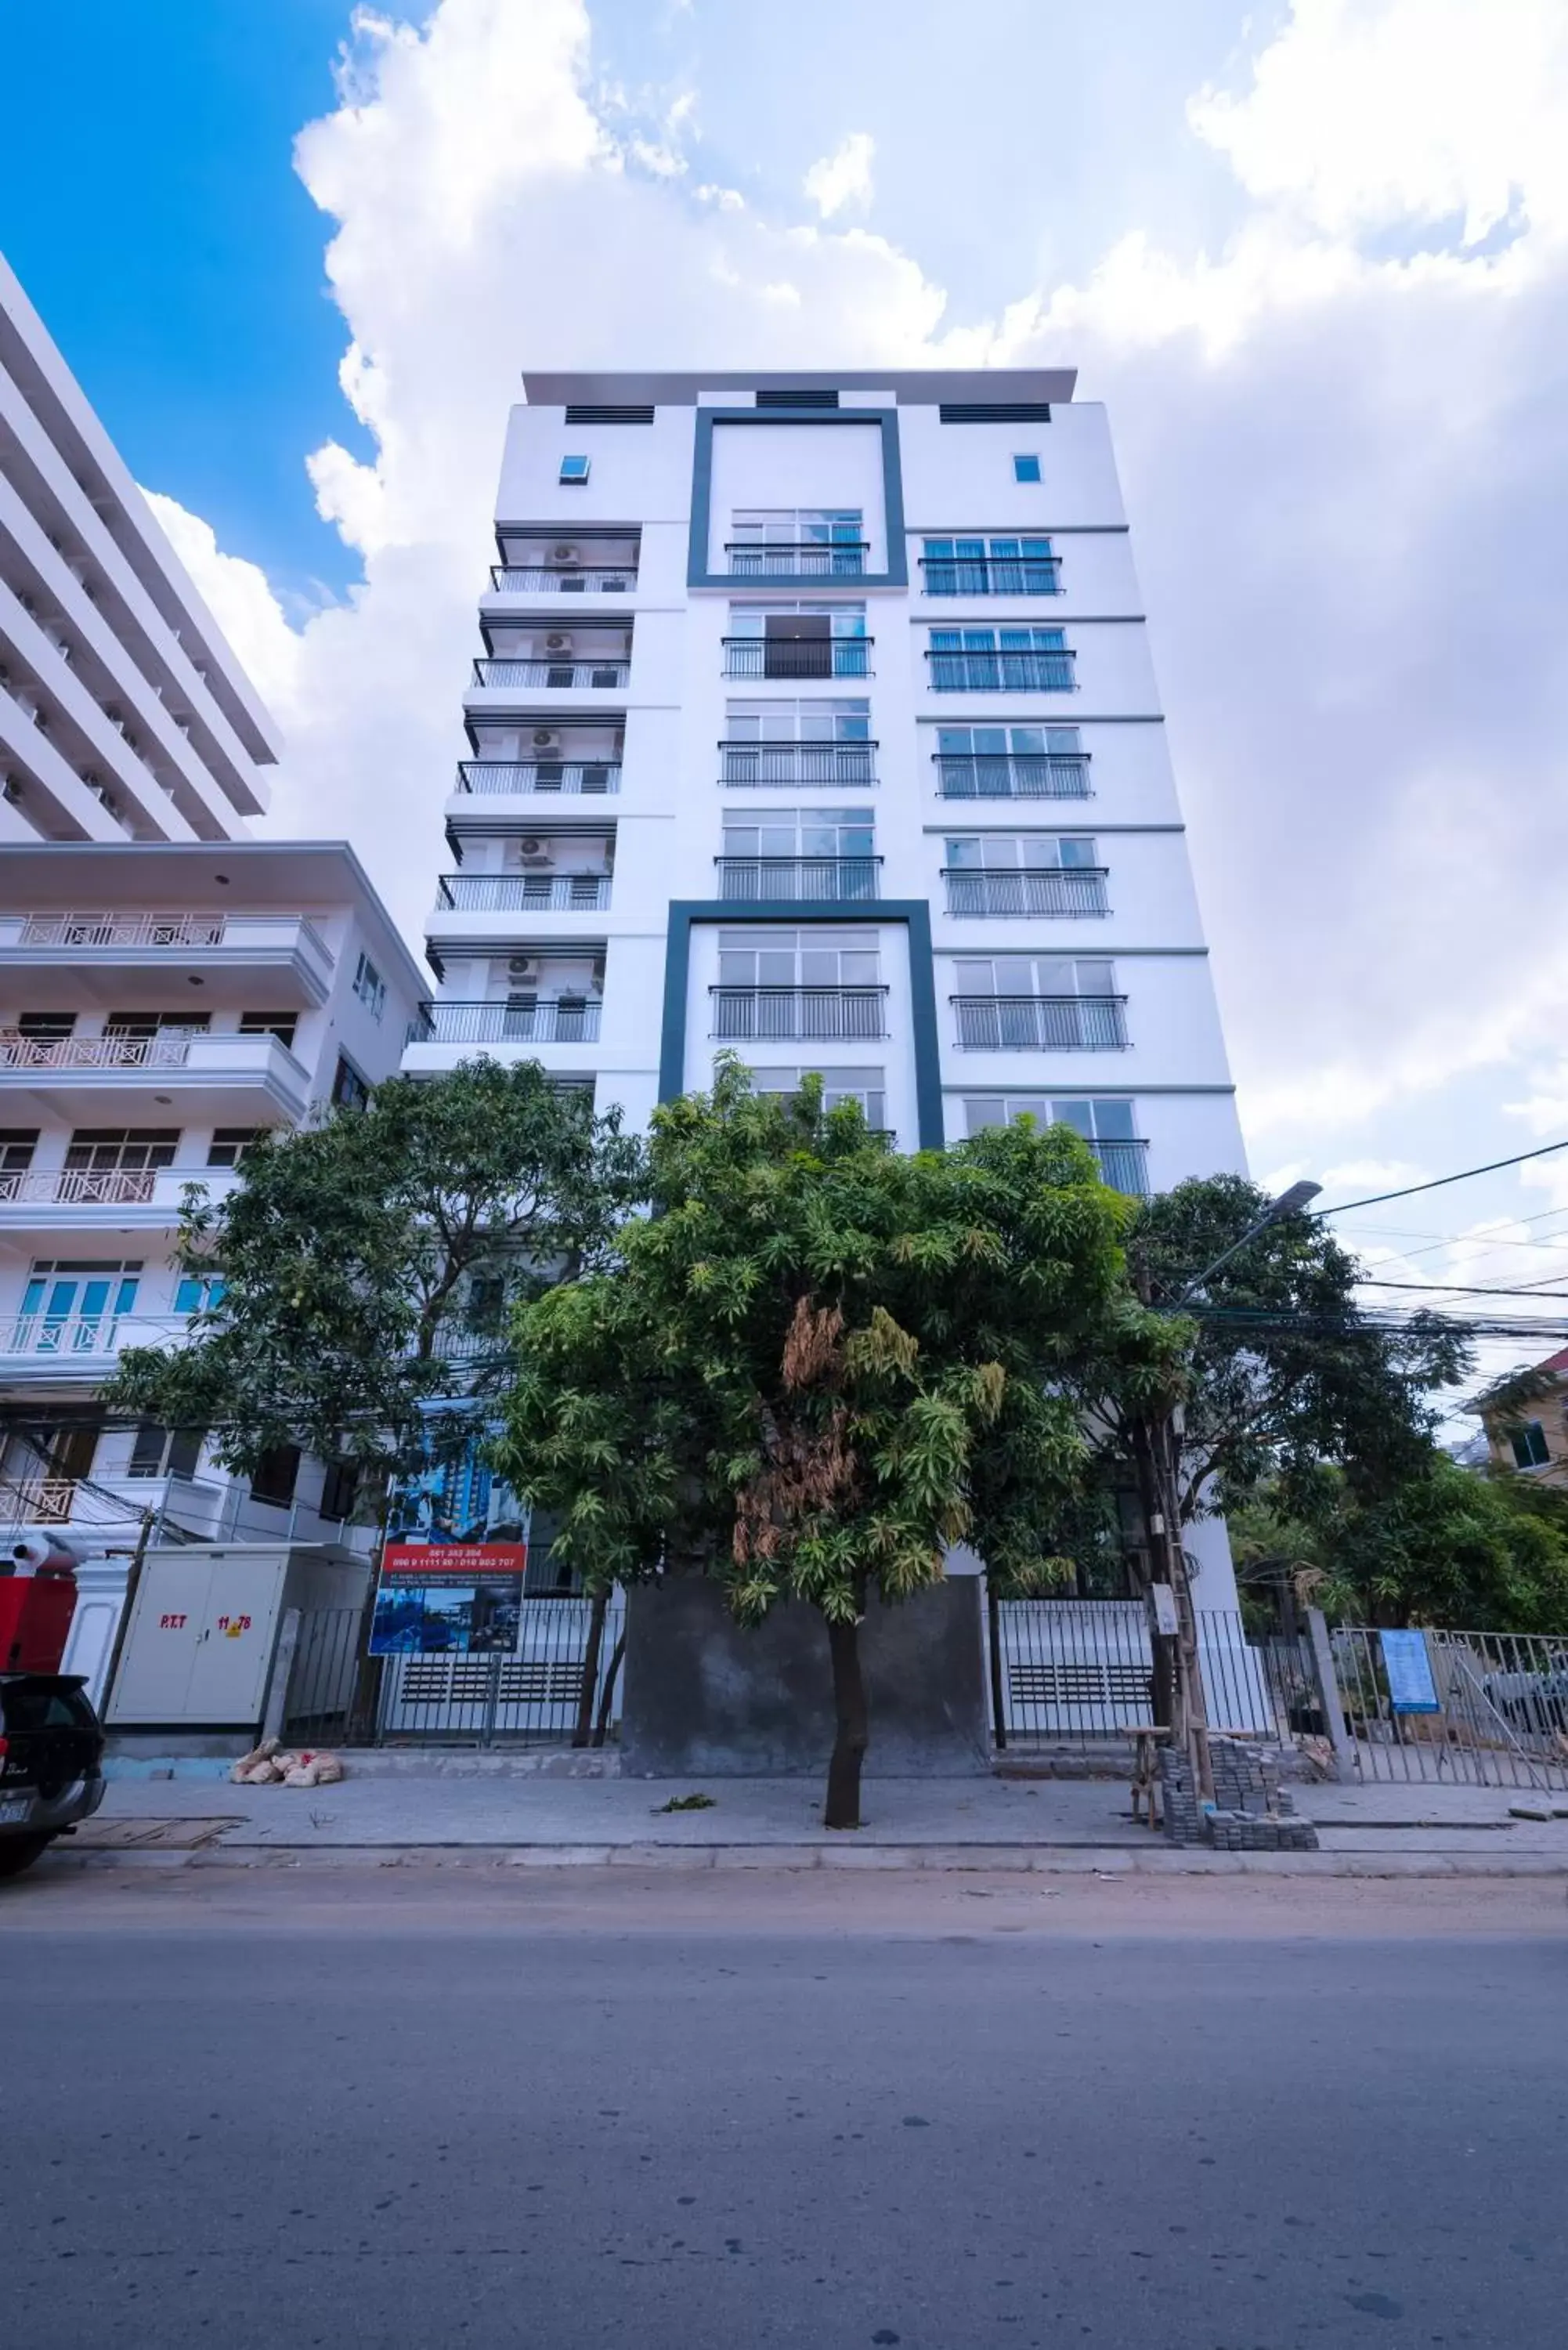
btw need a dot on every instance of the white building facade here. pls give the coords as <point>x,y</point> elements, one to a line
<point>815,720</point>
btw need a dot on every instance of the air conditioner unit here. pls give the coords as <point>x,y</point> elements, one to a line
<point>522,966</point>
<point>557,643</point>
<point>598,971</point>
<point>543,736</point>
<point>564,554</point>
<point>530,846</point>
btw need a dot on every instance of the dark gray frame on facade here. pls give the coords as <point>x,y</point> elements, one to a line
<point>915,915</point>
<point>896,575</point>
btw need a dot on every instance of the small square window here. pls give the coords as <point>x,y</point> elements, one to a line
<point>1025,468</point>
<point>575,469</point>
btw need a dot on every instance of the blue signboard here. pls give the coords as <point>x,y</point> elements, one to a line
<point>1409,1671</point>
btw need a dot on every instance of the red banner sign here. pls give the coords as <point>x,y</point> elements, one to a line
<point>453,1562</point>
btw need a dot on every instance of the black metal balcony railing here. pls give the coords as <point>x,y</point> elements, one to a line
<point>507,893</point>
<point>556,1019</point>
<point>577,580</point>
<point>527,775</point>
<point>817,1013</point>
<point>797,657</point>
<point>1000,672</point>
<point>744,765</point>
<point>573,674</point>
<point>1049,890</point>
<point>1124,1166</point>
<point>1041,1024</point>
<point>991,575</point>
<point>1019,775</point>
<point>842,559</point>
<point>760,878</point>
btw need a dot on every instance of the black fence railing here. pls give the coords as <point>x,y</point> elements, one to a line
<point>797,657</point>
<point>1053,892</point>
<point>556,1020</point>
<point>1077,1675</point>
<point>1015,775</point>
<point>797,877</point>
<point>745,765</point>
<point>589,776</point>
<point>820,1014</point>
<point>1040,1024</point>
<point>552,579</point>
<point>507,670</point>
<point>1000,672</point>
<point>504,893</point>
<point>991,575</point>
<point>842,559</point>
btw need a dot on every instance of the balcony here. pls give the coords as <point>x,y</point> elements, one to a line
<point>991,575</point>
<point>116,1188</point>
<point>797,657</point>
<point>1018,776</point>
<point>1040,1024</point>
<point>762,878</point>
<point>1124,1166</point>
<point>39,1347</point>
<point>562,580</point>
<point>808,559</point>
<point>528,777</point>
<point>286,947</point>
<point>813,1015</point>
<point>519,893</point>
<point>1002,672</point>
<point>1052,891</point>
<point>573,676</point>
<point>238,1078</point>
<point>744,766</point>
<point>566,1020</point>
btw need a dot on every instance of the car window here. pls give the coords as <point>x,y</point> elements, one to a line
<point>32,1706</point>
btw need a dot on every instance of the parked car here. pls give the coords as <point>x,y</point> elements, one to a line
<point>51,1763</point>
<point>1533,1701</point>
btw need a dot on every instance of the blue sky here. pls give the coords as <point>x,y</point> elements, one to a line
<point>1313,254</point>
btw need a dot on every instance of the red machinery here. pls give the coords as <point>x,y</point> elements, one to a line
<point>38,1600</point>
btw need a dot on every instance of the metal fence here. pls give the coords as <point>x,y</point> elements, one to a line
<point>529,1694</point>
<point>1077,1675</point>
<point>1497,1714</point>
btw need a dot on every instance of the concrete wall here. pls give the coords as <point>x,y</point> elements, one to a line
<point>707,1698</point>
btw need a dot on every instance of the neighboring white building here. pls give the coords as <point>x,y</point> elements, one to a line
<point>167,988</point>
<point>815,718</point>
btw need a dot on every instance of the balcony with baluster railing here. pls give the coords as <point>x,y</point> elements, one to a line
<point>763,879</point>
<point>991,575</point>
<point>1053,892</point>
<point>286,949</point>
<point>524,893</point>
<point>567,675</point>
<point>1040,1024</point>
<point>79,1191</point>
<point>563,1020</point>
<point>797,657</point>
<point>563,579</point>
<point>1013,775</point>
<point>801,559</point>
<point>810,1015</point>
<point>745,766</point>
<point>533,778</point>
<point>41,1346</point>
<point>242,1077</point>
<point>957,670</point>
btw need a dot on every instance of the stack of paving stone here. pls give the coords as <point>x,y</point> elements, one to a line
<point>1251,1813</point>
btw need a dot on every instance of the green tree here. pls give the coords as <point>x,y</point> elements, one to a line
<point>361,1278</point>
<point>818,1365</point>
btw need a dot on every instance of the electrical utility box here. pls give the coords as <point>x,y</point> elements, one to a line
<point>204,1627</point>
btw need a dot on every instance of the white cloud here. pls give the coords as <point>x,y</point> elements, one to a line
<point>1342,454</point>
<point>843,178</point>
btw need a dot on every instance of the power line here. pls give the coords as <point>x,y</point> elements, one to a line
<point>1462,1289</point>
<point>1409,1191</point>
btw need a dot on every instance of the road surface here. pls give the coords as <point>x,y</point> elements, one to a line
<point>414,2108</point>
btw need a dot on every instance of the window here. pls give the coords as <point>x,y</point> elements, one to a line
<point>281,1024</point>
<point>198,1292</point>
<point>1037,1004</point>
<point>1107,1123</point>
<point>848,720</point>
<point>1025,467</point>
<point>349,1090</point>
<point>369,987</point>
<point>797,640</point>
<point>1027,852</point>
<point>792,743</point>
<point>71,1303</point>
<point>112,1150</point>
<point>981,762</point>
<point>274,1476</point>
<point>144,1026</point>
<point>797,542</point>
<point>1529,1444</point>
<point>229,1144</point>
<point>996,566</point>
<point>1011,660</point>
<point>160,1451</point>
<point>783,958</point>
<point>865,1086</point>
<point>801,832</point>
<point>339,1489</point>
<point>17,1145</point>
<point>46,1027</point>
<point>574,469</point>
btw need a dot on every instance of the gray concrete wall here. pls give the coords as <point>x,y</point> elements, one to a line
<point>705,1698</point>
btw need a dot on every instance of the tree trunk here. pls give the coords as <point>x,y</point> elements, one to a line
<point>607,1702</point>
<point>998,1695</point>
<point>588,1690</point>
<point>841,1809</point>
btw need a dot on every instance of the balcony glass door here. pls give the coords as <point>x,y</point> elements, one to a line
<point>73,1309</point>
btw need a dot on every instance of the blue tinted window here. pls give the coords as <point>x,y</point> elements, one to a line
<point>575,469</point>
<point>1026,469</point>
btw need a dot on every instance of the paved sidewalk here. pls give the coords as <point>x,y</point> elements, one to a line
<point>918,1823</point>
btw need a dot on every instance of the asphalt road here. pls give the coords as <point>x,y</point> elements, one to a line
<point>688,2116</point>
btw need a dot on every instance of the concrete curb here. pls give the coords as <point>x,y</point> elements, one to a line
<point>933,1859</point>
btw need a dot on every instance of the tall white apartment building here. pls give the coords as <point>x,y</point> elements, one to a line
<point>168,987</point>
<point>815,720</point>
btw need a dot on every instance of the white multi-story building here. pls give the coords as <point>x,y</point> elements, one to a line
<point>167,989</point>
<point>816,719</point>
